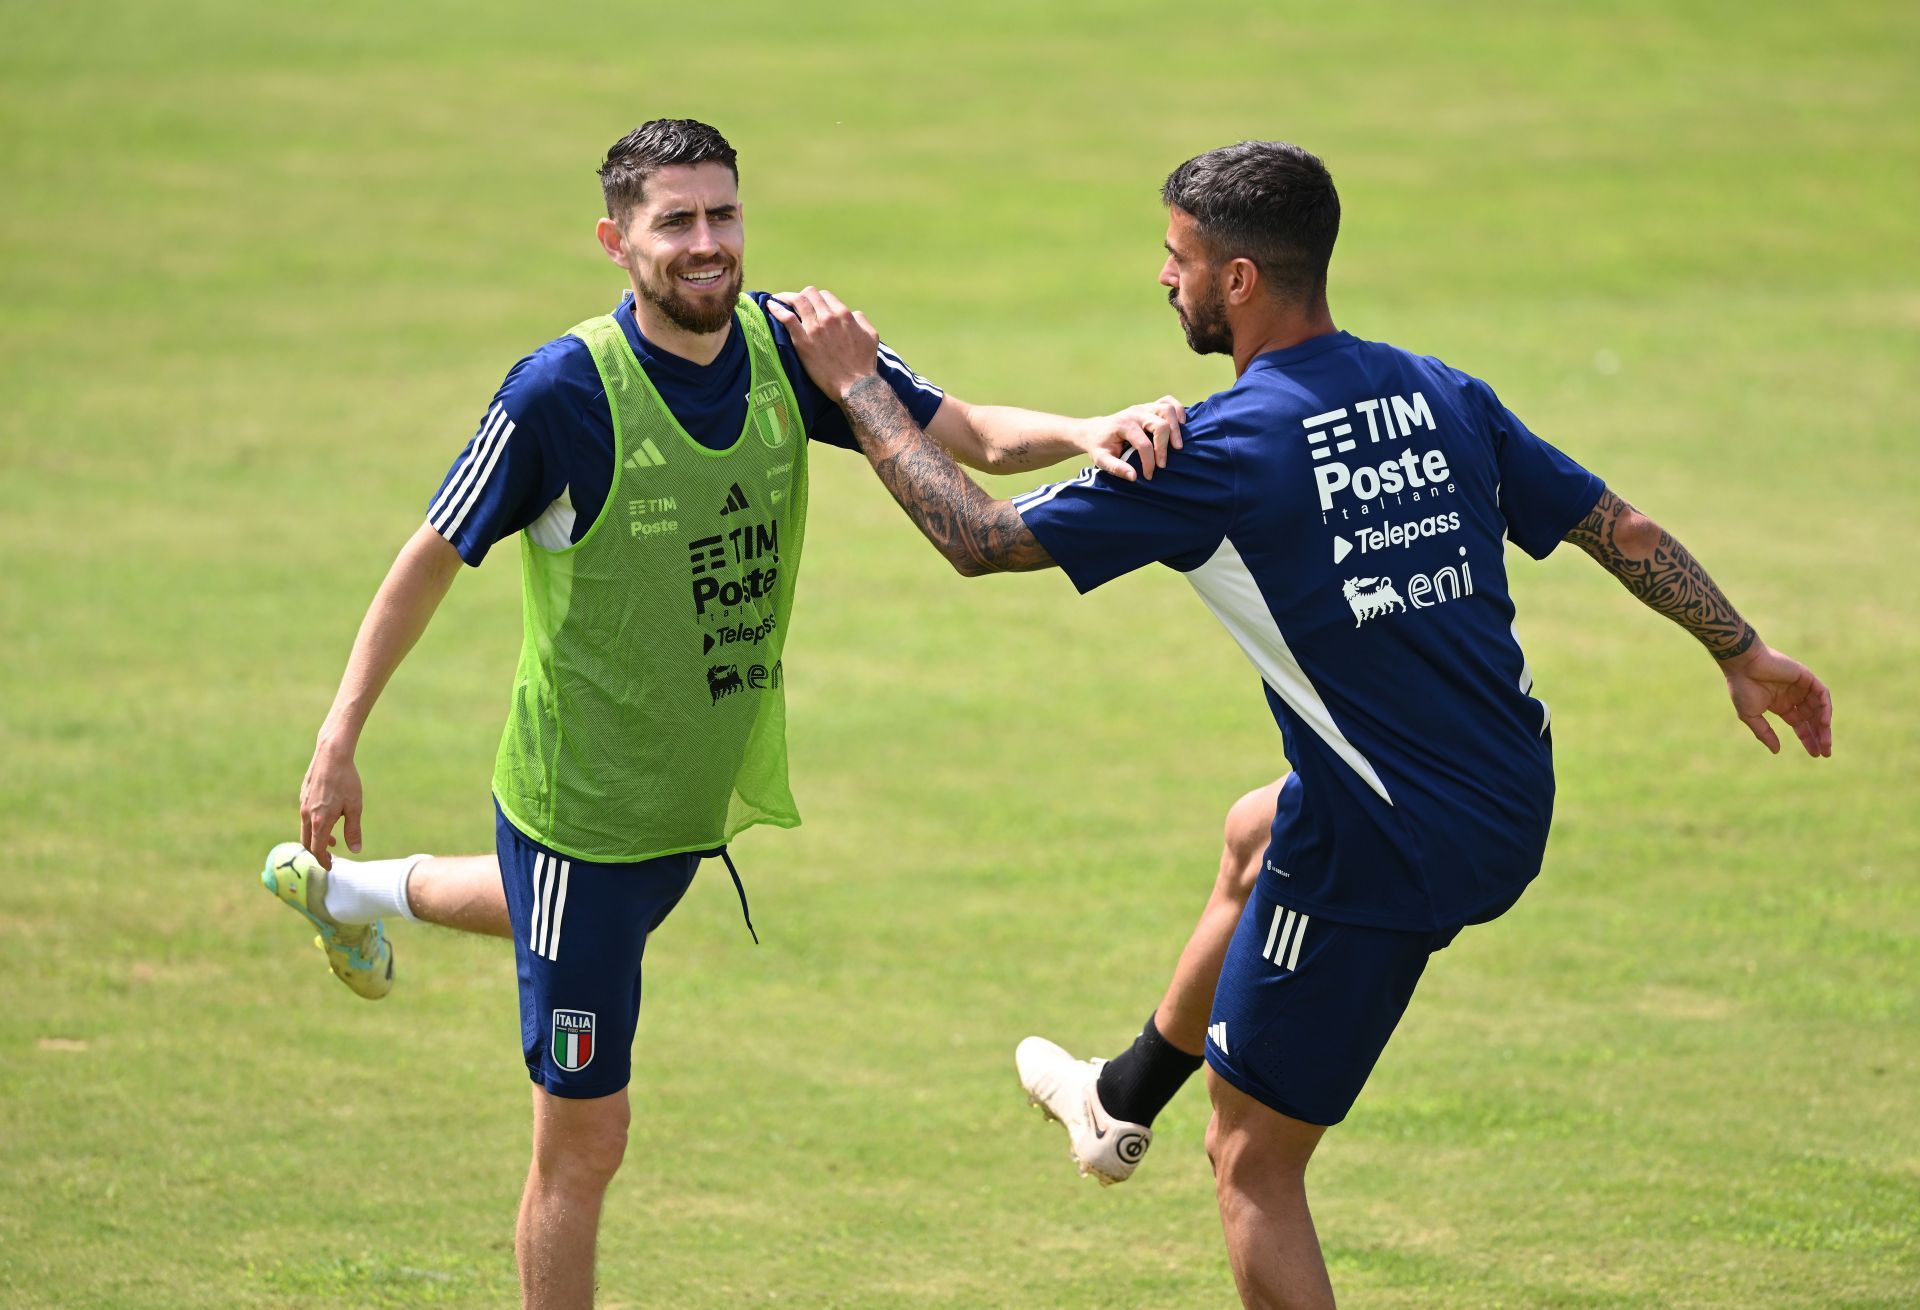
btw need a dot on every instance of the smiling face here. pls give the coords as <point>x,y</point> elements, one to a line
<point>683,246</point>
<point>1194,287</point>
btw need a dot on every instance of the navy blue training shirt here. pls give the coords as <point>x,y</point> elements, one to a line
<point>542,459</point>
<point>1341,509</point>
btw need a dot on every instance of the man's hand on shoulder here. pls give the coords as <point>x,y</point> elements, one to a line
<point>1762,681</point>
<point>1148,430</point>
<point>837,345</point>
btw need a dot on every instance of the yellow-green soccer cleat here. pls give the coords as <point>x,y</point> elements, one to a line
<point>359,954</point>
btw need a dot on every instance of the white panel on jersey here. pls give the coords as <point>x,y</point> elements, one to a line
<point>1526,680</point>
<point>553,530</point>
<point>1230,592</point>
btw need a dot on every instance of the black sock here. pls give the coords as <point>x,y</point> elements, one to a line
<point>1137,1083</point>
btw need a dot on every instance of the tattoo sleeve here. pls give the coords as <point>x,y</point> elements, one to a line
<point>976,533</point>
<point>1669,581</point>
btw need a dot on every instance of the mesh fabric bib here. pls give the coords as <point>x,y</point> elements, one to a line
<point>648,711</point>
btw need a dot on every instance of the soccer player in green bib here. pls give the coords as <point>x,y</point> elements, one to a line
<point>653,462</point>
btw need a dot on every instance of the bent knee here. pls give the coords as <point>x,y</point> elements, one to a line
<point>1249,825</point>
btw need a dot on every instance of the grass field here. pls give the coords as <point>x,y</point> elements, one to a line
<point>261,267</point>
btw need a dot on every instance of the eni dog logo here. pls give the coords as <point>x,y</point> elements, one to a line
<point>1371,597</point>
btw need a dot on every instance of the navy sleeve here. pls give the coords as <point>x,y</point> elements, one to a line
<point>825,421</point>
<point>1098,527</point>
<point>506,477</point>
<point>1543,493</point>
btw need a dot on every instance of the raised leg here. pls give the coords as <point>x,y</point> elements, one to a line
<point>460,891</point>
<point>1182,1015</point>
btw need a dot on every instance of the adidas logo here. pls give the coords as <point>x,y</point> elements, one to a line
<point>647,456</point>
<point>736,500</point>
<point>1217,1034</point>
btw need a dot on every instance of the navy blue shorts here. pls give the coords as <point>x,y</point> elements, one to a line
<point>579,930</point>
<point>1304,1006</point>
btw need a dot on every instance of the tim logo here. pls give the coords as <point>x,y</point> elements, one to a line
<point>572,1039</point>
<point>723,680</point>
<point>1369,598</point>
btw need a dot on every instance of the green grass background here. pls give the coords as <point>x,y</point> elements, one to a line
<point>262,265</point>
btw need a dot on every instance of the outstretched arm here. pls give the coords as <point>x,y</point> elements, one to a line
<point>1003,439</point>
<point>1666,578</point>
<point>414,588</point>
<point>976,533</point>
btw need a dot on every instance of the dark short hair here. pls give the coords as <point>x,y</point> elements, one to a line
<point>1267,201</point>
<point>655,145</point>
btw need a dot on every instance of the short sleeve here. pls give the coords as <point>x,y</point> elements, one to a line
<point>504,480</point>
<point>824,418</point>
<point>1543,493</point>
<point>1098,527</point>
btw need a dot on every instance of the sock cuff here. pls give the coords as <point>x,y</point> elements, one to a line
<point>411,862</point>
<point>1162,1049</point>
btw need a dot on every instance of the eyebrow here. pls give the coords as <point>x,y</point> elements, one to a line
<point>718,211</point>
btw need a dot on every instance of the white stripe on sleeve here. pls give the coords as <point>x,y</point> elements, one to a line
<point>888,356</point>
<point>479,483</point>
<point>462,471</point>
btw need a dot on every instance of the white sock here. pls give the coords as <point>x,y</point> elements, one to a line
<point>360,891</point>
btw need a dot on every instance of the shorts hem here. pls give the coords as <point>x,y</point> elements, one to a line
<point>1233,1077</point>
<point>572,1091</point>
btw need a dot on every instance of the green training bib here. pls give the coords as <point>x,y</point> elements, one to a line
<point>648,714</point>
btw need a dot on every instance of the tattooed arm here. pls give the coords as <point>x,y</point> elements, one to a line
<point>1663,574</point>
<point>1666,578</point>
<point>976,533</point>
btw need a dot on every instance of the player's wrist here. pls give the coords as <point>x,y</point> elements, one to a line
<point>336,742</point>
<point>1743,654</point>
<point>857,382</point>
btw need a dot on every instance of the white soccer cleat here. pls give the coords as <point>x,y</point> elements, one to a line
<point>1068,1090</point>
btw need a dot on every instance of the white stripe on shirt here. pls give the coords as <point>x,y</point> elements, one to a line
<point>479,484</point>
<point>463,470</point>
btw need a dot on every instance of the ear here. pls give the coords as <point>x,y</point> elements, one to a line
<point>612,241</point>
<point>1241,280</point>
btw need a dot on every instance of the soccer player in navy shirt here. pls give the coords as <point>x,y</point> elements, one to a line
<point>1343,509</point>
<point>547,462</point>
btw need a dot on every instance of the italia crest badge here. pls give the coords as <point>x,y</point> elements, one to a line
<point>769,413</point>
<point>572,1039</point>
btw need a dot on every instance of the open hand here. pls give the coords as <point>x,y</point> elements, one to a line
<point>1762,681</point>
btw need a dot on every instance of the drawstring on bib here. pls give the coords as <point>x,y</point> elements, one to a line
<point>741,888</point>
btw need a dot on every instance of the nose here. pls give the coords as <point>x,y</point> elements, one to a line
<point>1167,276</point>
<point>701,240</point>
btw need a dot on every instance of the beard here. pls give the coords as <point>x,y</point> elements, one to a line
<point>689,315</point>
<point>1207,329</point>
